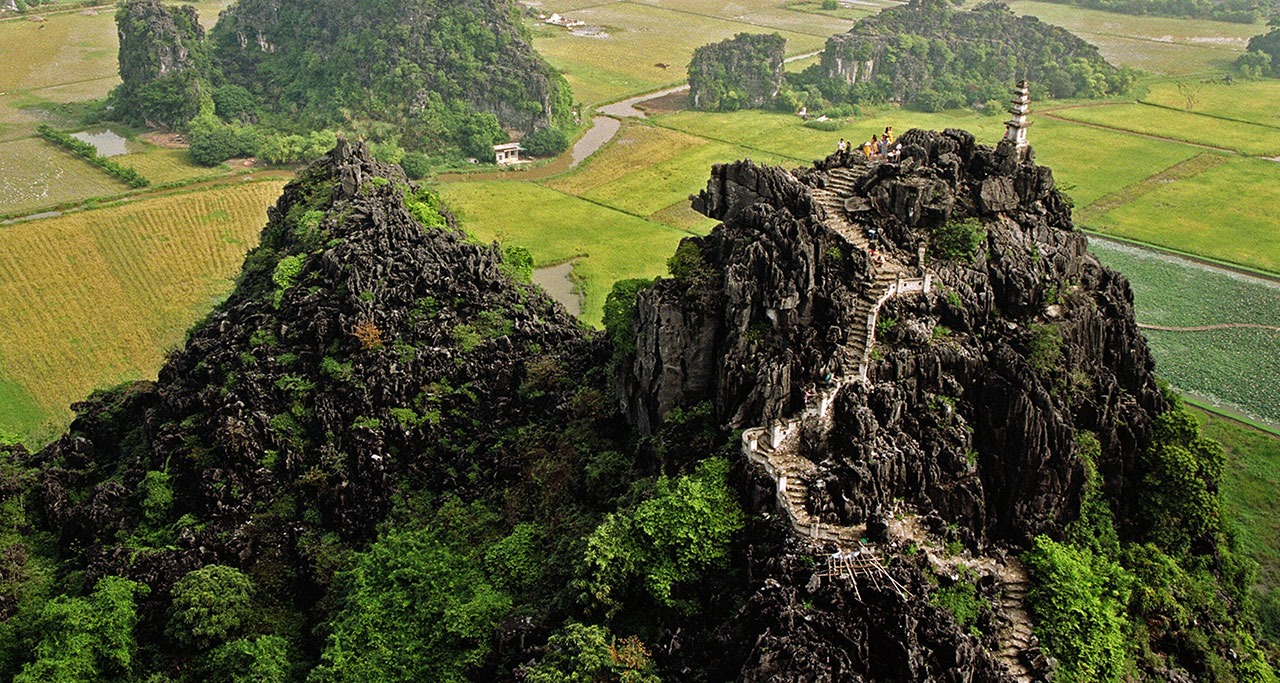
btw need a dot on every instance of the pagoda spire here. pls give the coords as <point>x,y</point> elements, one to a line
<point>1016,127</point>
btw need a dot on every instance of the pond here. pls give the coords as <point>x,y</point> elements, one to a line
<point>559,284</point>
<point>108,142</point>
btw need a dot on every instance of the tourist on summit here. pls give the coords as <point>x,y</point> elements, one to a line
<point>842,146</point>
<point>870,148</point>
<point>888,134</point>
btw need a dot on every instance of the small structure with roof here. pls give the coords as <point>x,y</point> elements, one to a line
<point>1016,127</point>
<point>507,154</point>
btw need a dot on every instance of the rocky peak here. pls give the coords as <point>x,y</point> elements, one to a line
<point>156,39</point>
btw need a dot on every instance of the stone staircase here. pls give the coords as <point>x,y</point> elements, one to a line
<point>775,447</point>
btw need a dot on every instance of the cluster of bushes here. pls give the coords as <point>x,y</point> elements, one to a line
<point>1263,55</point>
<point>90,154</point>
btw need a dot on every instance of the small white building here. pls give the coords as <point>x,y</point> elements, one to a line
<point>507,154</point>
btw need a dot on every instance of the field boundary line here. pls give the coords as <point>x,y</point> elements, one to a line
<point>1183,170</point>
<point>1170,251</point>
<point>1144,39</point>
<point>656,122</point>
<point>1126,131</point>
<point>1209,328</point>
<point>728,19</point>
<point>1157,105</point>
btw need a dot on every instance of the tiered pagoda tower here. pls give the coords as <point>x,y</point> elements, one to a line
<point>1016,127</point>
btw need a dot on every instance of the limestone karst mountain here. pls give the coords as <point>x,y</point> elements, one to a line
<point>830,456</point>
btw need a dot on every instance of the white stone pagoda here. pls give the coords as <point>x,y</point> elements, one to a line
<point>1016,127</point>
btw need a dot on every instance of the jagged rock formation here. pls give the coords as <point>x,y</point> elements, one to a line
<point>743,72</point>
<point>163,62</point>
<point>362,356</point>
<point>921,53</point>
<point>959,417</point>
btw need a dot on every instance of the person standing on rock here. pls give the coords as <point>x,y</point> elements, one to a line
<point>842,146</point>
<point>869,148</point>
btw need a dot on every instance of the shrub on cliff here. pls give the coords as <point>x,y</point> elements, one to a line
<point>210,606</point>
<point>957,239</point>
<point>672,538</point>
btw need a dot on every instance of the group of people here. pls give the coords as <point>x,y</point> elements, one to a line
<point>882,148</point>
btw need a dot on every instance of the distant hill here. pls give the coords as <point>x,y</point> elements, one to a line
<point>744,72</point>
<point>930,56</point>
<point>428,75</point>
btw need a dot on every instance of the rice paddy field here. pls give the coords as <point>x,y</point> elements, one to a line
<point>35,173</point>
<point>1232,367</point>
<point>1251,101</point>
<point>1237,136</point>
<point>606,244</point>
<point>1227,212</point>
<point>95,297</point>
<point>1249,486</point>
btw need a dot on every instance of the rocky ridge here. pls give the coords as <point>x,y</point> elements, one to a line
<point>953,424</point>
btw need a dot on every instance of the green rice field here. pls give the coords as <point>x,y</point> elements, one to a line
<point>35,173</point>
<point>1226,213</point>
<point>1235,367</point>
<point>1251,101</point>
<point>1237,136</point>
<point>606,244</point>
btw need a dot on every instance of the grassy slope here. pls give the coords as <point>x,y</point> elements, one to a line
<point>1251,489</point>
<point>95,297</point>
<point>1253,101</point>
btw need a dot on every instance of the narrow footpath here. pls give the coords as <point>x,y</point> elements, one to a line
<point>775,448</point>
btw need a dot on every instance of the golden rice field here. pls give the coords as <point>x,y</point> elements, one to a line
<point>96,297</point>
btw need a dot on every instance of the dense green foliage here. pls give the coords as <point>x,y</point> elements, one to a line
<point>961,599</point>
<point>1239,11</point>
<point>90,154</point>
<point>620,311</point>
<point>956,239</point>
<point>744,72</point>
<point>210,606</point>
<point>213,141</point>
<point>590,654</point>
<point>1104,601</point>
<point>931,56</point>
<point>1263,55</point>
<point>87,639</point>
<point>547,142</point>
<point>411,609</point>
<point>669,539</point>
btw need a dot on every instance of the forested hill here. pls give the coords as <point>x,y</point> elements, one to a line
<point>428,75</point>
<point>931,56</point>
<point>424,65</point>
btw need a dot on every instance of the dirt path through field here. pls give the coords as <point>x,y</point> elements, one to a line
<point>1143,135</point>
<point>1206,328</point>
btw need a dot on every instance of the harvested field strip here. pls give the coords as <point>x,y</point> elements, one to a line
<point>97,296</point>
<point>1186,169</point>
<point>35,174</point>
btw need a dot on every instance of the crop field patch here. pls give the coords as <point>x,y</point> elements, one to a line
<point>162,165</point>
<point>65,48</point>
<point>1227,213</point>
<point>557,227</point>
<point>35,173</point>
<point>1252,101</point>
<point>96,297</point>
<point>1200,33</point>
<point>653,188</point>
<point>646,44</point>
<point>1251,488</point>
<point>848,11</point>
<point>634,148</point>
<point>1246,138</point>
<point>1089,163</point>
<point>1236,367</point>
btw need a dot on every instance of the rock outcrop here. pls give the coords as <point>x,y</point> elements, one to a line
<point>743,72</point>
<point>163,61</point>
<point>976,392</point>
